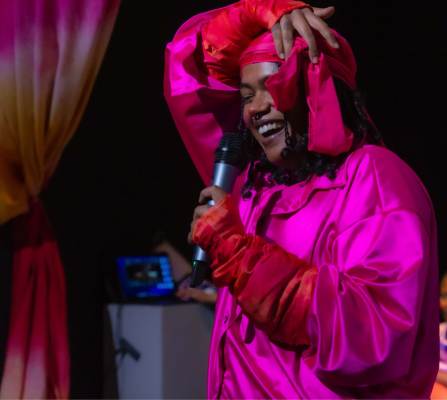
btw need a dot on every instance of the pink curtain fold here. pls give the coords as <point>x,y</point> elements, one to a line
<point>37,364</point>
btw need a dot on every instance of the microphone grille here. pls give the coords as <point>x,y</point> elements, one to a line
<point>230,149</point>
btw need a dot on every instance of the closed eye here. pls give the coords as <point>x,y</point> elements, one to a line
<point>246,98</point>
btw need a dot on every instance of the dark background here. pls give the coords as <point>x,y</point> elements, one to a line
<point>125,175</point>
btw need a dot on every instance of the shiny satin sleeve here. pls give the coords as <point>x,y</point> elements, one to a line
<point>366,307</point>
<point>277,299</point>
<point>376,272</point>
<point>229,32</point>
<point>201,106</point>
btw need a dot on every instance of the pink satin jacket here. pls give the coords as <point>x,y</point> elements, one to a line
<point>373,313</point>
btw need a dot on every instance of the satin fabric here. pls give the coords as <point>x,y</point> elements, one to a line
<point>226,36</point>
<point>202,97</point>
<point>243,263</point>
<point>204,102</point>
<point>372,321</point>
<point>261,49</point>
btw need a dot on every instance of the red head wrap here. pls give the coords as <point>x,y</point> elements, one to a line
<point>261,49</point>
<point>327,133</point>
<point>204,98</point>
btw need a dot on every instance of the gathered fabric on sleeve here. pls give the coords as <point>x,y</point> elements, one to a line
<point>273,286</point>
<point>378,274</point>
<point>366,304</point>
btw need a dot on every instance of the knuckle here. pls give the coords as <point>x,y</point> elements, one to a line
<point>306,11</point>
<point>285,22</point>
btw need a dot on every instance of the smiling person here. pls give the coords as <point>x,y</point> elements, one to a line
<point>325,253</point>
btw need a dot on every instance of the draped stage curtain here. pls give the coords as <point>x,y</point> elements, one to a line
<point>50,54</point>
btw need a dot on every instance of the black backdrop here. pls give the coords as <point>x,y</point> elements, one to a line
<point>126,175</point>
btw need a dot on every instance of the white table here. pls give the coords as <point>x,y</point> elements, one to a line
<point>172,341</point>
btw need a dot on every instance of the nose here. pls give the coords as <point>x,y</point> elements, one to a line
<point>260,105</point>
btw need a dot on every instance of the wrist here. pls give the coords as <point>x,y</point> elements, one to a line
<point>267,13</point>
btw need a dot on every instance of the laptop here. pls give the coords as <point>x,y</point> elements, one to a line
<point>145,278</point>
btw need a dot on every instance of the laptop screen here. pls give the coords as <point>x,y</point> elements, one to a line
<point>145,277</point>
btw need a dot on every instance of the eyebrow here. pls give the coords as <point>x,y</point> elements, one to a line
<point>260,82</point>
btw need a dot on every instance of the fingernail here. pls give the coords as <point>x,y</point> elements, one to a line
<point>336,45</point>
<point>282,55</point>
<point>315,59</point>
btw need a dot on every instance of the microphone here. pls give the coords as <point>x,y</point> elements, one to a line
<point>228,163</point>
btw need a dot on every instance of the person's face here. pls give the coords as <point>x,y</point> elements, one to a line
<point>261,117</point>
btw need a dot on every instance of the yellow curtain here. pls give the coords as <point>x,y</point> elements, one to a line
<point>50,53</point>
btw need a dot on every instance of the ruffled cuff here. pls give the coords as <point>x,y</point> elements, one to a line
<point>267,13</point>
<point>214,231</point>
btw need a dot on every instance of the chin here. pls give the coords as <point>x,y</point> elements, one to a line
<point>274,156</point>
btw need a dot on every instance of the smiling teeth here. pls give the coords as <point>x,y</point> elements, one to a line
<point>268,127</point>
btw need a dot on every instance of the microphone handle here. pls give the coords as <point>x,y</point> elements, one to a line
<point>224,177</point>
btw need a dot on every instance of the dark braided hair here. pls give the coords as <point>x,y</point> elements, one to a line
<point>262,172</point>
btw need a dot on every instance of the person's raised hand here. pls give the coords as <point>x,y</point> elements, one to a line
<point>303,21</point>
